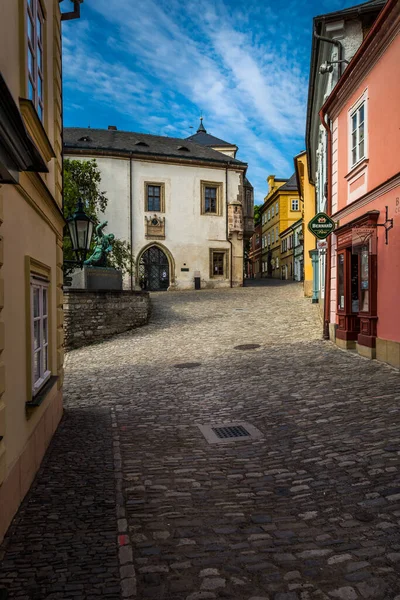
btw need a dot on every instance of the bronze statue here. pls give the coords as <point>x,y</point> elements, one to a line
<point>102,248</point>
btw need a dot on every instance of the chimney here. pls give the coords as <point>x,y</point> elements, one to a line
<point>271,182</point>
<point>112,128</point>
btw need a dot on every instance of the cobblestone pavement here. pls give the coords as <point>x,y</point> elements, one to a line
<point>310,511</point>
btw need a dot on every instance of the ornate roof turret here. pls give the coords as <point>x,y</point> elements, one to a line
<point>201,126</point>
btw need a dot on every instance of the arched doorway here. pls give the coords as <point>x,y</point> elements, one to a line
<point>154,270</point>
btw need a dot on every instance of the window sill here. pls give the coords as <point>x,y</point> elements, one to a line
<point>357,169</point>
<point>35,127</point>
<point>42,394</point>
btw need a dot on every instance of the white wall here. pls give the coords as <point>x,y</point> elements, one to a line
<point>188,234</point>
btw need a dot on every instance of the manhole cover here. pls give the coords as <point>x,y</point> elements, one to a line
<point>223,433</point>
<point>187,365</point>
<point>231,432</point>
<point>247,347</point>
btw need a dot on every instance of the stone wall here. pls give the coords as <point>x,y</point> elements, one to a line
<point>92,316</point>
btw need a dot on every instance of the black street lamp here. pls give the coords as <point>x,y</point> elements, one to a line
<point>80,228</point>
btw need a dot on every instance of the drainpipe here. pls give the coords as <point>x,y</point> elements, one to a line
<point>336,43</point>
<point>227,228</point>
<point>327,299</point>
<point>131,215</point>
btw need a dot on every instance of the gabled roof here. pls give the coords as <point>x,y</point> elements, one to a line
<point>103,141</point>
<point>290,185</point>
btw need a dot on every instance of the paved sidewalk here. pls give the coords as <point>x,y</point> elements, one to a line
<point>309,512</point>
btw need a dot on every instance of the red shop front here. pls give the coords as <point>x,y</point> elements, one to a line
<point>356,299</point>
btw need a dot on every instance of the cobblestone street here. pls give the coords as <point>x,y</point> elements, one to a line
<point>131,493</point>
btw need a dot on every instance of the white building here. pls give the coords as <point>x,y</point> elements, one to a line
<point>336,38</point>
<point>184,205</point>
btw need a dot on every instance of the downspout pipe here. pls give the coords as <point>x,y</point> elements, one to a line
<point>327,298</point>
<point>227,229</point>
<point>131,215</point>
<point>336,43</point>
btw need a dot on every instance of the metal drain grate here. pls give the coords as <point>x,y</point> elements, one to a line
<point>231,432</point>
<point>225,433</point>
<point>187,365</point>
<point>246,347</point>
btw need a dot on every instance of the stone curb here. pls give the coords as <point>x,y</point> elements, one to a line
<point>125,554</point>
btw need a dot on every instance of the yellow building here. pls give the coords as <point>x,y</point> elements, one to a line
<point>307,195</point>
<point>31,276</point>
<point>281,209</point>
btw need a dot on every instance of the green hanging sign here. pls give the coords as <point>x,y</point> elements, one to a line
<point>321,226</point>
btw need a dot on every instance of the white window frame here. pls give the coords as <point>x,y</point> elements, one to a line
<point>43,347</point>
<point>292,203</point>
<point>269,215</point>
<point>272,236</point>
<point>277,208</point>
<point>277,233</point>
<point>355,110</point>
<point>269,239</point>
<point>35,44</point>
<point>272,212</point>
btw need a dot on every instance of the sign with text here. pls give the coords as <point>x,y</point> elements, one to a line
<point>322,245</point>
<point>321,226</point>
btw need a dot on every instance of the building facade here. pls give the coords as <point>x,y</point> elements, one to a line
<point>31,276</point>
<point>255,253</point>
<point>185,207</point>
<point>298,250</point>
<point>286,253</point>
<point>363,195</point>
<point>336,38</point>
<point>308,203</point>
<point>281,209</point>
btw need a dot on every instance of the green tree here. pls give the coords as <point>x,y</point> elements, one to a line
<point>257,214</point>
<point>82,180</point>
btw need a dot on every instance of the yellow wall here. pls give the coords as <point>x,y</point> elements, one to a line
<point>307,193</point>
<point>31,226</point>
<point>283,220</point>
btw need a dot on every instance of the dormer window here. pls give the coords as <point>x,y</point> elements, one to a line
<point>141,143</point>
<point>85,138</point>
<point>184,148</point>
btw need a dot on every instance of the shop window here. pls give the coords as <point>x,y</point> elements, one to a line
<point>364,280</point>
<point>35,26</point>
<point>341,280</point>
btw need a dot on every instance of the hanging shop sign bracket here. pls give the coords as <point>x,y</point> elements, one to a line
<point>388,225</point>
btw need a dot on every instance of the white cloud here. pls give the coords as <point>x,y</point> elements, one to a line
<point>166,60</point>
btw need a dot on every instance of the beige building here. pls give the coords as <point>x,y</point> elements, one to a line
<point>31,316</point>
<point>185,205</point>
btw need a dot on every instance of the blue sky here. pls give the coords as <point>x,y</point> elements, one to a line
<point>155,65</point>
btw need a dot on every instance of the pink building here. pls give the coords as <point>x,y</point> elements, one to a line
<point>362,117</point>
